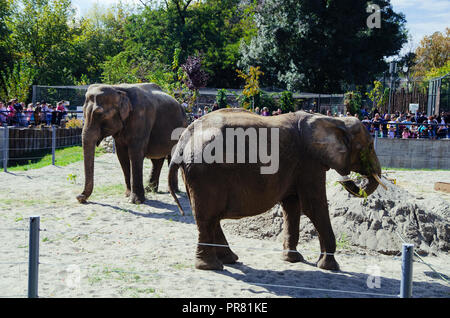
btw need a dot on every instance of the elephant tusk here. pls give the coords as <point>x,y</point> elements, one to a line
<point>379,181</point>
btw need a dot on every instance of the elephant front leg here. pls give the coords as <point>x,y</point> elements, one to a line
<point>315,206</point>
<point>291,224</point>
<point>154,176</point>
<point>321,221</point>
<point>137,195</point>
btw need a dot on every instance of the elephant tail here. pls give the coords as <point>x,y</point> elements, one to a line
<point>173,171</point>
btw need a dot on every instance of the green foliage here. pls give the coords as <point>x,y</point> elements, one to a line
<point>266,100</point>
<point>438,71</point>
<point>321,46</point>
<point>287,103</point>
<point>298,44</point>
<point>17,82</point>
<point>378,95</point>
<point>221,98</point>
<point>41,34</point>
<point>353,102</point>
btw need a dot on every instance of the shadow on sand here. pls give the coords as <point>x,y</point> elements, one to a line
<point>171,210</point>
<point>324,284</point>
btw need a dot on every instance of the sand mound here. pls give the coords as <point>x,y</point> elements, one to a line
<point>378,223</point>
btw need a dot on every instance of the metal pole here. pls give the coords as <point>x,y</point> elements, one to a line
<point>5,148</point>
<point>33,257</point>
<point>375,142</point>
<point>407,269</point>
<point>53,144</point>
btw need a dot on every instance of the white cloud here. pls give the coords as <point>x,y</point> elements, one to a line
<point>424,17</point>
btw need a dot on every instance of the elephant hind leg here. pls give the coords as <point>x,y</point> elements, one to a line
<point>153,183</point>
<point>207,206</point>
<point>291,224</point>
<point>124,159</point>
<point>206,257</point>
<point>225,254</point>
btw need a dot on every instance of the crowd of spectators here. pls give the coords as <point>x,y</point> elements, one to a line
<point>397,125</point>
<point>407,125</point>
<point>15,113</point>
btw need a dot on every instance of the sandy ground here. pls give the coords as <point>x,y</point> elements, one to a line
<point>110,248</point>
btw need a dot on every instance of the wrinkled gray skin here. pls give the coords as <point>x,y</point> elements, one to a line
<point>309,146</point>
<point>141,118</point>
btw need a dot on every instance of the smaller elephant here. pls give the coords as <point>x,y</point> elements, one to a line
<point>308,146</point>
<point>142,119</point>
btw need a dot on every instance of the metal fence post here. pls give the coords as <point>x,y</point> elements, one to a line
<point>407,269</point>
<point>53,144</point>
<point>5,148</point>
<point>375,142</point>
<point>33,257</point>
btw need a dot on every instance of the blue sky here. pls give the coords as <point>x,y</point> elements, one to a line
<point>424,17</point>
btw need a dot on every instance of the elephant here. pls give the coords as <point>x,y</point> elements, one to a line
<point>308,146</point>
<point>141,119</point>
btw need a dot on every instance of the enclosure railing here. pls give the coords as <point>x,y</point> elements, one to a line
<point>24,145</point>
<point>408,130</point>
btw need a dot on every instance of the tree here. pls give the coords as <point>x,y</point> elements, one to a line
<point>322,46</point>
<point>378,95</point>
<point>251,88</point>
<point>97,38</point>
<point>287,103</point>
<point>353,102</point>
<point>5,53</point>
<point>18,82</point>
<point>40,35</point>
<point>432,53</point>
<point>221,98</point>
<point>195,77</point>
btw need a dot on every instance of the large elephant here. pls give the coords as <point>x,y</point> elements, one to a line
<point>141,118</point>
<point>309,145</point>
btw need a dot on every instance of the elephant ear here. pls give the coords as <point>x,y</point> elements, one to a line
<point>124,105</point>
<point>329,142</point>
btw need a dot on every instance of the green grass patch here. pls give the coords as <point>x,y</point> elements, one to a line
<point>63,157</point>
<point>108,190</point>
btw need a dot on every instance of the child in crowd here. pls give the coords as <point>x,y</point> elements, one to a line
<point>405,133</point>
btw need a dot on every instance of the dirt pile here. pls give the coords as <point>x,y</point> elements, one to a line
<point>378,223</point>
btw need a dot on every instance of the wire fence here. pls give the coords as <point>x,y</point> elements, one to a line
<point>34,262</point>
<point>24,146</point>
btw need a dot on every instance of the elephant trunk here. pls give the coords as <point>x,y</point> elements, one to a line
<point>89,144</point>
<point>372,172</point>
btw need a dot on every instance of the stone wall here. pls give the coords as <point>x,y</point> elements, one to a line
<point>414,153</point>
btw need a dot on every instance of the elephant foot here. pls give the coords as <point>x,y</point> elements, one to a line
<point>82,198</point>
<point>328,262</point>
<point>227,257</point>
<point>208,264</point>
<point>293,257</point>
<point>136,199</point>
